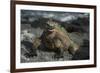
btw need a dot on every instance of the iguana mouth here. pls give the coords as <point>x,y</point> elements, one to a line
<point>51,30</point>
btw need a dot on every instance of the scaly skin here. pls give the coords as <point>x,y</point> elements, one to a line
<point>58,38</point>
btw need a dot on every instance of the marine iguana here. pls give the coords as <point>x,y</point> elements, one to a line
<point>56,38</point>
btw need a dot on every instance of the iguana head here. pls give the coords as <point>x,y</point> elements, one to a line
<point>51,25</point>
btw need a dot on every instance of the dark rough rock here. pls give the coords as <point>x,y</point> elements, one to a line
<point>83,52</point>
